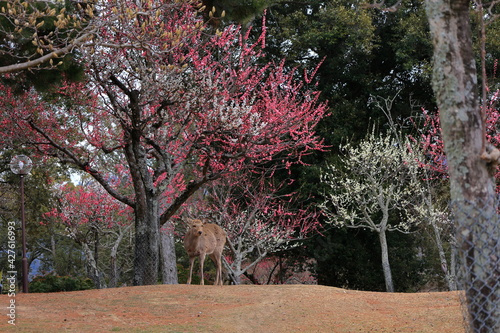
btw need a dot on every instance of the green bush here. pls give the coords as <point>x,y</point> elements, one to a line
<point>54,283</point>
<point>183,273</point>
<point>209,270</point>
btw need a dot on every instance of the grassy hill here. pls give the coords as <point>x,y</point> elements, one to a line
<point>245,308</point>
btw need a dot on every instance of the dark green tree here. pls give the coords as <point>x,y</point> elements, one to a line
<point>366,54</point>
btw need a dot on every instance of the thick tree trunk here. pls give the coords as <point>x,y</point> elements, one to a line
<point>147,237</point>
<point>455,86</point>
<point>472,186</point>
<point>146,208</point>
<point>389,285</point>
<point>167,255</point>
<point>147,234</point>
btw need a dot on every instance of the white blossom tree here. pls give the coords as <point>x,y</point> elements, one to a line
<point>431,207</point>
<point>376,184</point>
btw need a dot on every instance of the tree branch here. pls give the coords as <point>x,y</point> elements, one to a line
<point>84,166</point>
<point>45,58</point>
<point>191,188</point>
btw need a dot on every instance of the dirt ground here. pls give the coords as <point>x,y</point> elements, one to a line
<point>244,308</point>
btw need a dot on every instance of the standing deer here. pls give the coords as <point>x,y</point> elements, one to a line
<point>202,239</point>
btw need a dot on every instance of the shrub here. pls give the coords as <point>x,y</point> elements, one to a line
<point>53,283</point>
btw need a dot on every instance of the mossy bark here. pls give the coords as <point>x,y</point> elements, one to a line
<point>471,185</point>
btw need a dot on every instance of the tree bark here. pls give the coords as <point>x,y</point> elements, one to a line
<point>167,255</point>
<point>472,187</point>
<point>54,252</point>
<point>234,271</point>
<point>389,285</point>
<point>114,275</point>
<point>92,269</point>
<point>147,237</point>
<point>448,271</point>
<point>146,208</point>
<point>384,204</point>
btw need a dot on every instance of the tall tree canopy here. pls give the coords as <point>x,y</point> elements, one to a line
<point>367,53</point>
<point>166,108</point>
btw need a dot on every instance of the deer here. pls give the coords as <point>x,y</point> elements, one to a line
<point>201,239</point>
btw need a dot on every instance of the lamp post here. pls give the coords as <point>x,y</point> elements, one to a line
<point>21,165</point>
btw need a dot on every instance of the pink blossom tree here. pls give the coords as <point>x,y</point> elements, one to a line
<point>435,163</point>
<point>87,213</point>
<point>168,107</point>
<point>432,143</point>
<point>277,270</point>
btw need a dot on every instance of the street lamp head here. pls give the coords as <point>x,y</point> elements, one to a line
<point>21,165</point>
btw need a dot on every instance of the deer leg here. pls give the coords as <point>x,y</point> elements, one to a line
<point>202,260</point>
<point>218,264</point>
<point>218,280</point>
<point>191,262</point>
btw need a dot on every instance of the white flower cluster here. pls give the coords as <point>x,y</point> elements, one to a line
<point>232,115</point>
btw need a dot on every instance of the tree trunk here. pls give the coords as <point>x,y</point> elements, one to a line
<point>233,270</point>
<point>447,270</point>
<point>389,285</point>
<point>147,238</point>
<point>147,227</point>
<point>146,258</point>
<point>92,269</point>
<point>54,252</point>
<point>235,278</point>
<point>114,276</point>
<point>471,185</point>
<point>96,245</point>
<point>167,255</point>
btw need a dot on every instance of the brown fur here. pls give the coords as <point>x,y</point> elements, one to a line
<point>202,239</point>
<point>492,157</point>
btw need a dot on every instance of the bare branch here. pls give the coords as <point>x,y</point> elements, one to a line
<point>83,165</point>
<point>382,7</point>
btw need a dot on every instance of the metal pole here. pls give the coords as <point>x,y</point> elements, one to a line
<point>23,229</point>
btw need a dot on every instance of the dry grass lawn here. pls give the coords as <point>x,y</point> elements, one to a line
<point>245,308</point>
